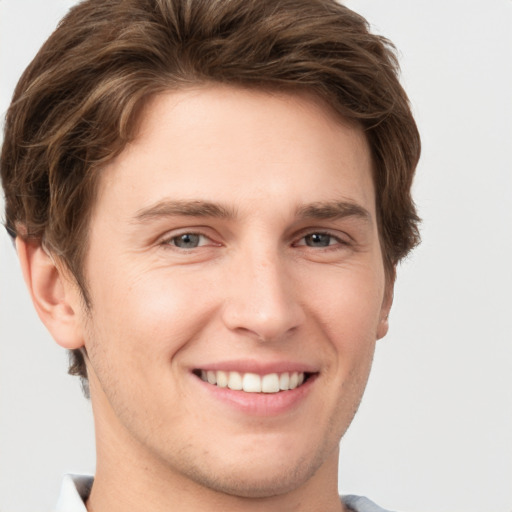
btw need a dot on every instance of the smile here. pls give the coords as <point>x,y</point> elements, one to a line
<point>252,382</point>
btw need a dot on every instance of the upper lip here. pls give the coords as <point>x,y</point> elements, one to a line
<point>258,367</point>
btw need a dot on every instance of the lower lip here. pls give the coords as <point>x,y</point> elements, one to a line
<point>260,404</point>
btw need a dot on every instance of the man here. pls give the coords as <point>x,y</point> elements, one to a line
<point>209,200</point>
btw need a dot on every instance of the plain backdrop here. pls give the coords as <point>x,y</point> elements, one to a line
<point>434,432</point>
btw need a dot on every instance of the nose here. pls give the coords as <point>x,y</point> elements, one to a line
<point>262,300</point>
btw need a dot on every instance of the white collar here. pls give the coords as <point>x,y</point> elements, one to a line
<point>73,492</point>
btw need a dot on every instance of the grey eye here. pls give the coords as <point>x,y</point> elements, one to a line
<point>187,241</point>
<point>318,240</point>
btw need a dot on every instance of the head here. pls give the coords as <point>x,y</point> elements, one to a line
<point>83,100</point>
<point>76,105</point>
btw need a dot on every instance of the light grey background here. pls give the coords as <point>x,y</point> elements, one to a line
<point>434,432</point>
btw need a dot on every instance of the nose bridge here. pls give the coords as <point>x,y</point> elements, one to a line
<point>262,298</point>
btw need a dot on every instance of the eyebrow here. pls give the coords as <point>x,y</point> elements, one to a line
<point>323,210</point>
<point>333,210</point>
<point>170,208</point>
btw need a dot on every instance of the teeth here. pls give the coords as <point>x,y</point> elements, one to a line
<point>294,380</point>
<point>252,382</point>
<point>235,381</point>
<point>270,383</point>
<point>222,379</point>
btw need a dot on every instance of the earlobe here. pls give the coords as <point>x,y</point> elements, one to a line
<point>383,327</point>
<point>55,298</point>
<point>387,302</point>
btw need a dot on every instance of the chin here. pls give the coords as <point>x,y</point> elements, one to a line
<point>256,476</point>
<point>251,483</point>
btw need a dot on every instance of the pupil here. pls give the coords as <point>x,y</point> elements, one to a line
<point>318,240</point>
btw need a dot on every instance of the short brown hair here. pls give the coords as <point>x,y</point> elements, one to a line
<point>76,104</point>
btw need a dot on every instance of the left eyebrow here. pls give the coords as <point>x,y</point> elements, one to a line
<point>333,210</point>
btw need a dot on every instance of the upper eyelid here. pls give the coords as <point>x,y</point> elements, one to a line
<point>187,230</point>
<point>193,233</point>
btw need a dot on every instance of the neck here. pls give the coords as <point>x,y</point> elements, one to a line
<point>124,492</point>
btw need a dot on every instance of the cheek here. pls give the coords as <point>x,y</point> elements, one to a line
<point>150,315</point>
<point>348,313</point>
<point>134,334</point>
<point>349,304</point>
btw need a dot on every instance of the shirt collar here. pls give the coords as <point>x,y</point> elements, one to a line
<point>74,492</point>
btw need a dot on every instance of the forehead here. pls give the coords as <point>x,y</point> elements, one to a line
<point>219,143</point>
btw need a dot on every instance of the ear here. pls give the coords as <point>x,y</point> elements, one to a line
<point>55,297</point>
<point>387,302</point>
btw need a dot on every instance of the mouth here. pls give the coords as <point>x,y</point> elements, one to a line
<point>252,382</point>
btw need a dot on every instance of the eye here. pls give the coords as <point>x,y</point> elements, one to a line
<point>319,240</point>
<point>188,240</point>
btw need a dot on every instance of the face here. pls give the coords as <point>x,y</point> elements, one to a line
<point>237,289</point>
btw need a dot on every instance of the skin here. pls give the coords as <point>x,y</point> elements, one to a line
<point>257,287</point>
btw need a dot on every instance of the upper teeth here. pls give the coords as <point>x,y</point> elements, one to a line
<point>252,382</point>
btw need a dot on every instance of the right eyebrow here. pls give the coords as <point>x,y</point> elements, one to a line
<point>172,208</point>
